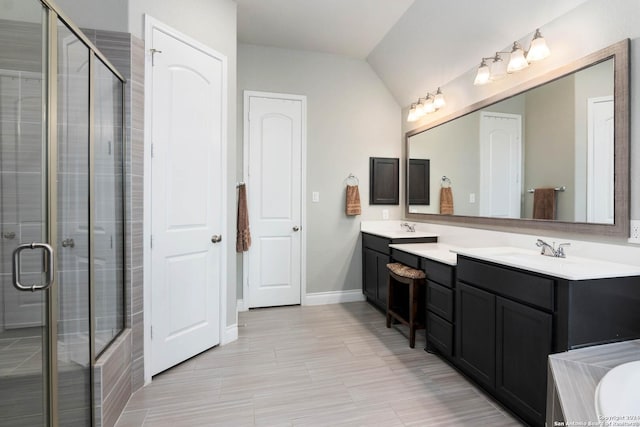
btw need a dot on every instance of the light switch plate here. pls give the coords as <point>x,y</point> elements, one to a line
<point>472,197</point>
<point>315,196</point>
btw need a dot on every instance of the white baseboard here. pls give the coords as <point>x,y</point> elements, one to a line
<point>230,334</point>
<point>335,297</point>
<point>241,306</point>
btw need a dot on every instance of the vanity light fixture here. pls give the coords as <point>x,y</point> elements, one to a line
<point>426,105</point>
<point>518,60</point>
<point>412,116</point>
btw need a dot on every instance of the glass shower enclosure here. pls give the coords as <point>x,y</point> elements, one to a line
<point>61,215</point>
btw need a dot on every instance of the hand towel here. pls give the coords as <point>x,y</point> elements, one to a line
<point>243,238</point>
<point>446,201</point>
<point>353,200</point>
<point>544,203</point>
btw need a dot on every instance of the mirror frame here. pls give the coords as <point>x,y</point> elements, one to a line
<point>620,228</point>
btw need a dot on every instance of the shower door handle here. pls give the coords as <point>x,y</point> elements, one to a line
<point>49,263</point>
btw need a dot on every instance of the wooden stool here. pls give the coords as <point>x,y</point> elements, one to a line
<point>400,276</point>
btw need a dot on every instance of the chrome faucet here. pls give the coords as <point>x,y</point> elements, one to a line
<point>408,227</point>
<point>557,253</point>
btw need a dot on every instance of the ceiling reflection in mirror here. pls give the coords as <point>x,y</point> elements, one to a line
<point>547,153</point>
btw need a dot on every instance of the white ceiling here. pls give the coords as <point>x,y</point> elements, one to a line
<point>413,45</point>
<point>346,27</point>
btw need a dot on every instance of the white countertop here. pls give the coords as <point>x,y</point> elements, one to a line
<point>399,234</point>
<point>571,268</point>
<point>434,251</point>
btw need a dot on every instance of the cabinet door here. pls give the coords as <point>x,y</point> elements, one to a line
<point>523,342</point>
<point>476,333</point>
<point>383,277</point>
<point>370,273</point>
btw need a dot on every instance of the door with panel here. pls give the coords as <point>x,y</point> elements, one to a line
<point>500,165</point>
<point>275,136</point>
<point>188,90</point>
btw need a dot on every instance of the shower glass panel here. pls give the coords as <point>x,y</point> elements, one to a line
<point>72,247</point>
<point>108,230</point>
<point>61,216</point>
<point>23,215</point>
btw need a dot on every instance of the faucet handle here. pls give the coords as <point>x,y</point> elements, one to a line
<point>560,251</point>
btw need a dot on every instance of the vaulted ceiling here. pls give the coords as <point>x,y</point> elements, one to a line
<point>413,45</point>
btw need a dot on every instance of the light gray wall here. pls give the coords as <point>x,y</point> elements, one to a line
<point>350,117</point>
<point>570,37</point>
<point>97,14</point>
<point>549,150</point>
<point>453,151</point>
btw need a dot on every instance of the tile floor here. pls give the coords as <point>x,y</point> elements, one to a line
<point>331,365</point>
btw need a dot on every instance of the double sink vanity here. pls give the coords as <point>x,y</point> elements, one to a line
<point>497,313</point>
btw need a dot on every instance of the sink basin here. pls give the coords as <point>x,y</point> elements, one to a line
<point>572,267</point>
<point>618,394</point>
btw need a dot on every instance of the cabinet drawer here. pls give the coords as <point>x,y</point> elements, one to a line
<point>376,243</point>
<point>519,285</point>
<point>438,272</point>
<point>440,334</point>
<point>412,261</point>
<point>440,300</point>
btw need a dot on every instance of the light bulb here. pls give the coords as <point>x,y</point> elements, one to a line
<point>428,104</point>
<point>484,75</point>
<point>439,101</point>
<point>498,68</point>
<point>517,60</point>
<point>412,117</point>
<point>538,49</point>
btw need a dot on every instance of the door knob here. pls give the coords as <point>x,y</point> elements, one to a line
<point>296,228</point>
<point>216,238</point>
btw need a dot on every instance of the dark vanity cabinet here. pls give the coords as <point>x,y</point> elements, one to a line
<point>376,254</point>
<point>440,300</point>
<point>509,320</point>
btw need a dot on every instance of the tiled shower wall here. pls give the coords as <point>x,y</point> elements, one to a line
<point>120,371</point>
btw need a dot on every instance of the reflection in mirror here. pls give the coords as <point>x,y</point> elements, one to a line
<point>558,135</point>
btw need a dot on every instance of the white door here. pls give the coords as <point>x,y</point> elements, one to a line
<point>274,184</point>
<point>500,165</point>
<point>187,201</point>
<point>600,146</point>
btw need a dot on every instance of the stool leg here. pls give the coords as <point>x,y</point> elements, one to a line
<point>413,308</point>
<point>389,301</point>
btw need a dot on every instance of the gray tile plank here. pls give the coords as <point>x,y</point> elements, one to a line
<point>334,365</point>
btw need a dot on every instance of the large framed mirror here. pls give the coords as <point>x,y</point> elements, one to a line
<point>551,154</point>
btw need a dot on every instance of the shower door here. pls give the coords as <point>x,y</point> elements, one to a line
<point>24,331</point>
<point>45,341</point>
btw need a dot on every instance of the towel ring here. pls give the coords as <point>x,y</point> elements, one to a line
<point>445,182</point>
<point>352,180</point>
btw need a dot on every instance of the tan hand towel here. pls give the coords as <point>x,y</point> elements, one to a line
<point>446,201</point>
<point>243,238</point>
<point>544,203</point>
<point>353,200</point>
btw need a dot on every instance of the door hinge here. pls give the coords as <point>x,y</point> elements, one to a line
<point>152,151</point>
<point>151,243</point>
<point>153,55</point>
<point>151,330</point>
